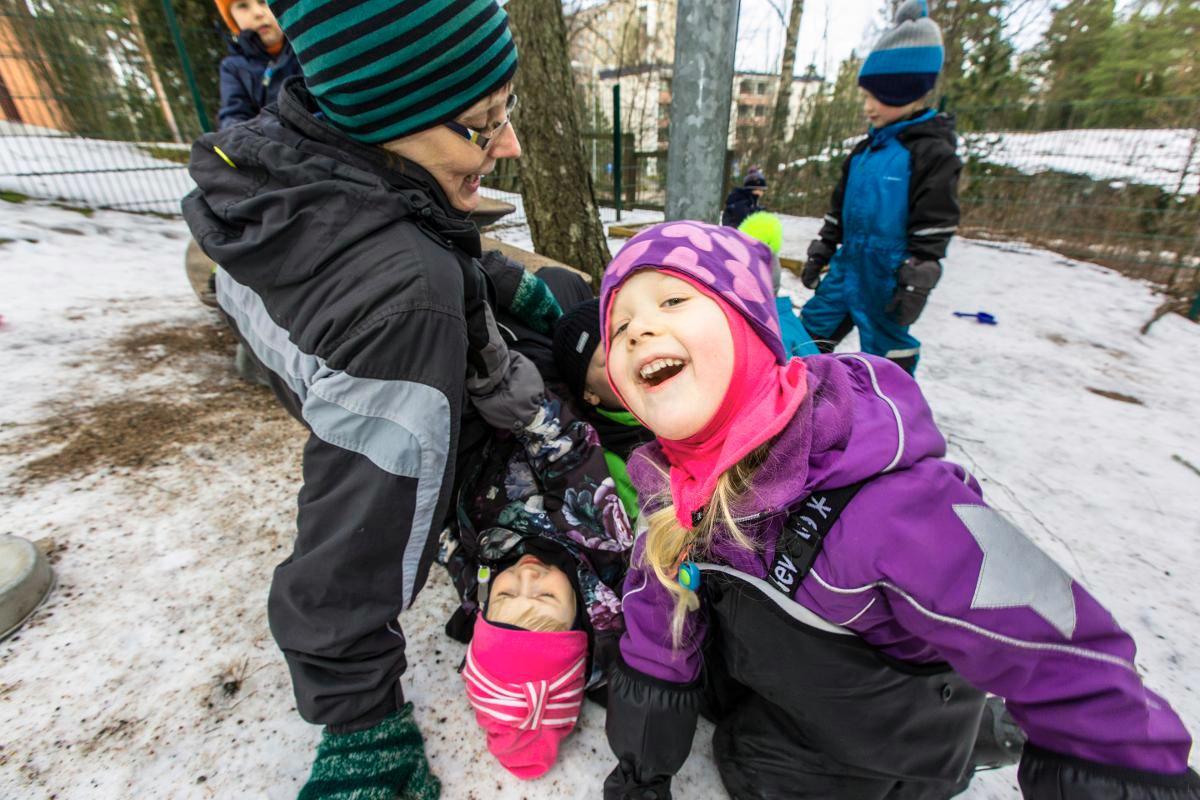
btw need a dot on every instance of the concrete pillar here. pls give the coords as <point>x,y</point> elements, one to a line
<point>701,91</point>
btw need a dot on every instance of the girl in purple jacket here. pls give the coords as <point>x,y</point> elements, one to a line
<point>811,574</point>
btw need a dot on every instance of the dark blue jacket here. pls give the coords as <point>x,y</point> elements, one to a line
<point>251,77</point>
<point>740,204</point>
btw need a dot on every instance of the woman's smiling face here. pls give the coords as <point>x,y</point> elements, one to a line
<point>457,164</point>
<point>670,354</point>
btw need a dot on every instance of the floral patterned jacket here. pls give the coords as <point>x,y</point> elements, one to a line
<point>548,481</point>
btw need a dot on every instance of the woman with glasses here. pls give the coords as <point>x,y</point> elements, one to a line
<point>349,265</point>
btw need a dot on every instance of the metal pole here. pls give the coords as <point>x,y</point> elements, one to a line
<point>617,147</point>
<point>701,92</point>
<point>186,63</point>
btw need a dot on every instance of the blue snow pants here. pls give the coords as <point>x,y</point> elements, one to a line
<point>862,274</point>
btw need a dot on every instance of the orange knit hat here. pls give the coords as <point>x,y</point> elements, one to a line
<point>224,7</point>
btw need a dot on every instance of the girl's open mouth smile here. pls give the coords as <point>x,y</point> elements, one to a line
<point>657,371</point>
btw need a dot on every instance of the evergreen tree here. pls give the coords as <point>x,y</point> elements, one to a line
<point>980,68</point>
<point>1078,35</point>
<point>1150,55</point>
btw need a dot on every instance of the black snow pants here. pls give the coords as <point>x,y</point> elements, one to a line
<point>828,716</point>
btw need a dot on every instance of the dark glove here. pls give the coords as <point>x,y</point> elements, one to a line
<point>386,762</point>
<point>819,253</point>
<point>521,293</point>
<point>1045,775</point>
<point>505,387</point>
<point>650,725</point>
<point>914,280</point>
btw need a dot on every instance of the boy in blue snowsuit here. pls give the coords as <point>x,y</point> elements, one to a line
<point>896,206</point>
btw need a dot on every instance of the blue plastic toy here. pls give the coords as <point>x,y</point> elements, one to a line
<point>983,317</point>
<point>689,575</point>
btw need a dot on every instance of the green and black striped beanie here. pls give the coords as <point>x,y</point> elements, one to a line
<point>382,69</point>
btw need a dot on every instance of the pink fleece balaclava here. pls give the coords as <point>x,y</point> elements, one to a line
<point>526,688</point>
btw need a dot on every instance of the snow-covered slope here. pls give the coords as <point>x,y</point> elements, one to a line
<point>151,672</point>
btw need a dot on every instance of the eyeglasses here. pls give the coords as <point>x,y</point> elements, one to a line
<point>485,139</point>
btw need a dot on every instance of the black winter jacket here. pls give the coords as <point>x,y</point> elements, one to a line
<point>251,77</point>
<point>350,277</point>
<point>741,203</point>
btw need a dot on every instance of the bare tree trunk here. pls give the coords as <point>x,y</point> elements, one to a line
<point>784,93</point>
<point>152,70</point>
<point>555,182</point>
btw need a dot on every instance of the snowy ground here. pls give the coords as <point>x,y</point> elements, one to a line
<point>164,490</point>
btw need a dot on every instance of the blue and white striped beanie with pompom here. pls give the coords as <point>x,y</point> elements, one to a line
<point>904,65</point>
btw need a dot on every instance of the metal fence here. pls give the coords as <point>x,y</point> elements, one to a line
<point>95,109</point>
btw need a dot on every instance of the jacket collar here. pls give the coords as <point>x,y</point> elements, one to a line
<point>879,136</point>
<point>431,210</point>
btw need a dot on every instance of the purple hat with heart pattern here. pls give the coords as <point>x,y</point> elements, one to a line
<point>732,265</point>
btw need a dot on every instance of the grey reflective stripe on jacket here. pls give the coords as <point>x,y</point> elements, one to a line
<point>401,426</point>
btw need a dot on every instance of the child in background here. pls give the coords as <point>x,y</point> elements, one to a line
<point>856,596</point>
<point>896,206</point>
<point>743,200</point>
<point>768,229</point>
<point>259,60</point>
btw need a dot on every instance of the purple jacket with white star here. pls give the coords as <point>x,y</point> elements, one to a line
<point>919,567</point>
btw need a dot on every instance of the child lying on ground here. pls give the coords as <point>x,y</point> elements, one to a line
<point>538,559</point>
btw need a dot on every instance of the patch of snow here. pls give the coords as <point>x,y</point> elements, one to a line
<point>1166,158</point>
<point>117,686</point>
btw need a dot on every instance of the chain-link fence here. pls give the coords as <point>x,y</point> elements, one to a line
<point>95,105</point>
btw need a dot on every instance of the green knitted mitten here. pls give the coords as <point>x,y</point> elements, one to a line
<point>534,304</point>
<point>386,762</point>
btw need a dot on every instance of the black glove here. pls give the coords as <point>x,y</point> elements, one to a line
<point>650,725</point>
<point>1045,775</point>
<point>504,386</point>
<point>914,280</point>
<point>819,253</point>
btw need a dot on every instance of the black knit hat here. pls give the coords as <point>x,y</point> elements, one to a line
<point>576,337</point>
<point>755,178</point>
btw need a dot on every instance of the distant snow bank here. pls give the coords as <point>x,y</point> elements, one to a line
<point>1168,158</point>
